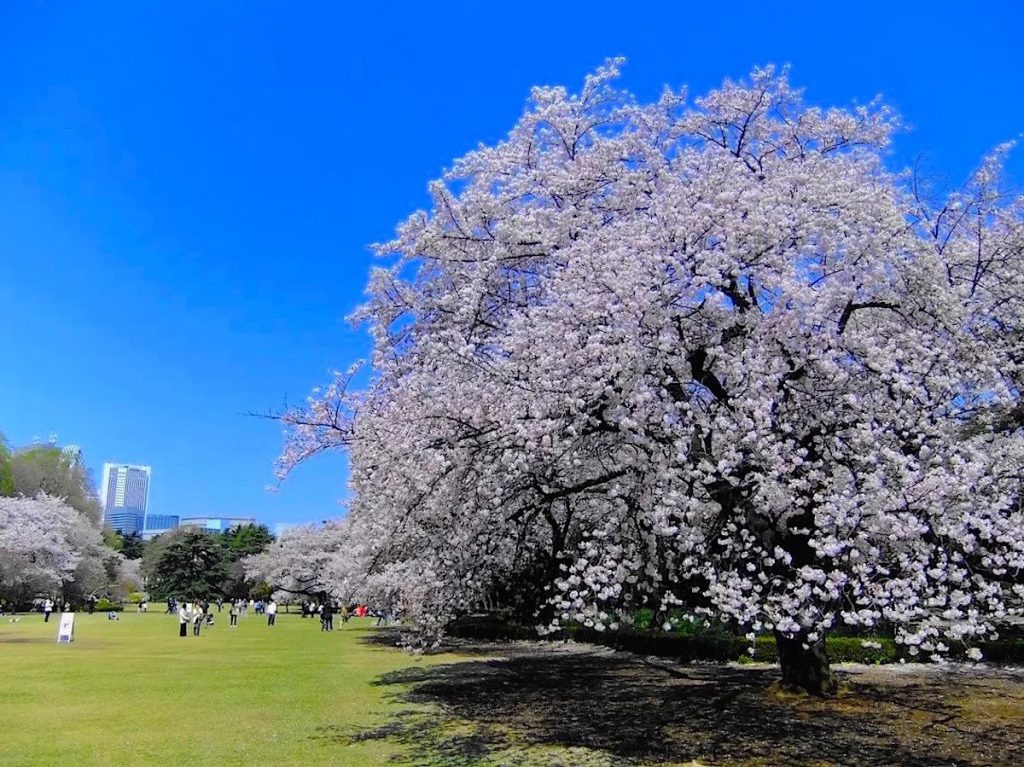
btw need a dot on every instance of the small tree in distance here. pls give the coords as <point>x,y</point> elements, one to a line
<point>705,356</point>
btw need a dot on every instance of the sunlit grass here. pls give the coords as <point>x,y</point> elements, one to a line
<point>131,692</point>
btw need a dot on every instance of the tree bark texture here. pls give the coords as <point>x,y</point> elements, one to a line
<point>805,667</point>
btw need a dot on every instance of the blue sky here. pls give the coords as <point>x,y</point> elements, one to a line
<point>187,190</point>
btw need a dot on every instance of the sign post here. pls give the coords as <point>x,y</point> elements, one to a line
<point>66,632</point>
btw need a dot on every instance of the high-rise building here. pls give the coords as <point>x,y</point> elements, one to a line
<point>124,494</point>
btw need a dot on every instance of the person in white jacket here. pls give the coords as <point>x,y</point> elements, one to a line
<point>184,616</point>
<point>271,612</point>
<point>197,618</point>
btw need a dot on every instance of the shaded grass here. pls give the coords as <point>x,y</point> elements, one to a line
<point>560,705</point>
<point>133,692</point>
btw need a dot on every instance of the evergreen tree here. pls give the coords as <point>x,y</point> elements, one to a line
<point>190,566</point>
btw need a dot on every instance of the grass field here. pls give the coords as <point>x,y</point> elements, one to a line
<point>131,692</point>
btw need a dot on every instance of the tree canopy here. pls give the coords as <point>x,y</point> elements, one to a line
<point>244,540</point>
<point>48,548</point>
<point>190,565</point>
<point>49,469</point>
<point>131,544</point>
<point>708,355</point>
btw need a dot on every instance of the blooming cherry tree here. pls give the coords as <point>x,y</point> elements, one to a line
<point>296,563</point>
<point>46,545</point>
<point>709,356</point>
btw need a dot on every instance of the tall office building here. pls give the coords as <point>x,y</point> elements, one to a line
<point>124,494</point>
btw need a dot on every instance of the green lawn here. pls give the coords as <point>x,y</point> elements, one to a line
<point>131,692</point>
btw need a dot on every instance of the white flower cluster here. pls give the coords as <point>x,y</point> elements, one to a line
<point>707,356</point>
<point>44,543</point>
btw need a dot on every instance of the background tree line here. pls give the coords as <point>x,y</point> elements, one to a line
<point>53,542</point>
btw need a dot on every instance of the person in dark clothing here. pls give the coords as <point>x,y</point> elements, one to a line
<point>328,616</point>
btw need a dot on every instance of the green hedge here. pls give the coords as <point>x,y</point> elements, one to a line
<point>720,647</point>
<point>716,648</point>
<point>104,605</point>
<point>1009,651</point>
<point>684,647</point>
<point>489,628</point>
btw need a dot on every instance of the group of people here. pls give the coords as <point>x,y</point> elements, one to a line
<point>46,607</point>
<point>326,611</point>
<point>195,613</point>
<point>199,612</point>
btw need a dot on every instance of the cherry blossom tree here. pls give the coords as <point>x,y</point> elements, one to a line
<point>46,546</point>
<point>296,564</point>
<point>709,356</point>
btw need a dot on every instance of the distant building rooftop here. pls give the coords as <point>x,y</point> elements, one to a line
<point>215,524</point>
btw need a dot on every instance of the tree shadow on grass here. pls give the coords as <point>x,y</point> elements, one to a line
<point>615,708</point>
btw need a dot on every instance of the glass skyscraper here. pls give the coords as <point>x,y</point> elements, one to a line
<point>125,496</point>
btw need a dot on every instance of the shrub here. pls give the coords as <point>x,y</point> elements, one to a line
<point>490,628</point>
<point>1009,651</point>
<point>861,650</point>
<point>643,618</point>
<point>105,605</point>
<point>663,644</point>
<point>710,642</point>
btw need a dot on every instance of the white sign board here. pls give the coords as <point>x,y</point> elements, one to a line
<point>66,632</point>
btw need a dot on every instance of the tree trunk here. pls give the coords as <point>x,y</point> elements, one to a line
<point>806,668</point>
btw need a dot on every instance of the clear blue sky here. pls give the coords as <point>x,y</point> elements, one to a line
<point>187,190</point>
